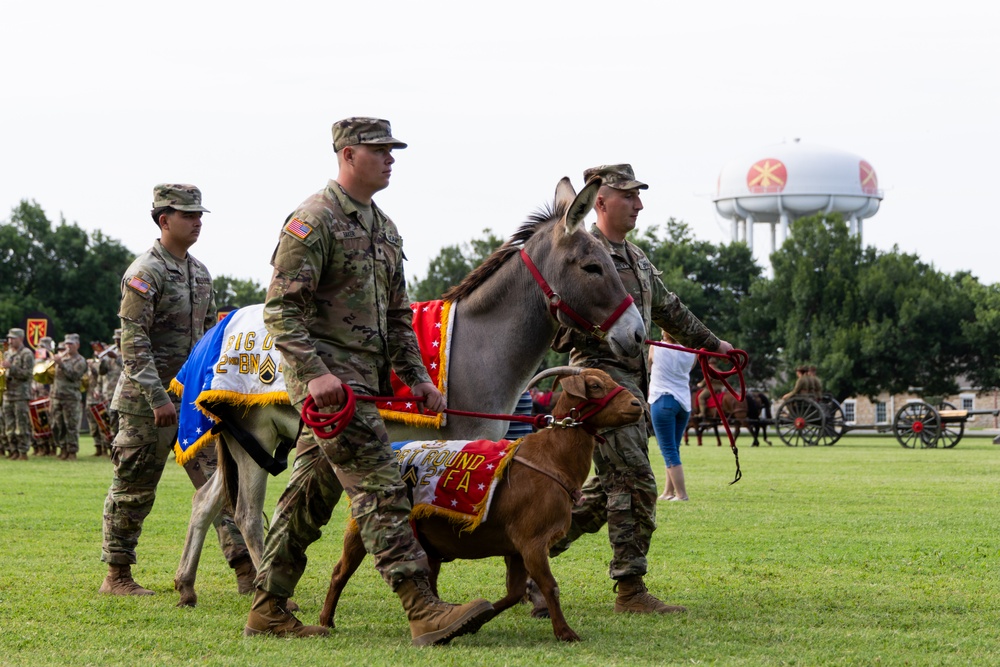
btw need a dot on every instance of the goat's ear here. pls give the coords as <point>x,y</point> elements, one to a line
<point>581,205</point>
<point>574,385</point>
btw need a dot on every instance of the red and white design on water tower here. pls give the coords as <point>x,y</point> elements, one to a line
<point>869,181</point>
<point>767,175</point>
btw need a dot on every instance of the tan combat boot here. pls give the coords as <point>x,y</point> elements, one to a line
<point>435,622</point>
<point>245,575</point>
<point>119,582</point>
<point>633,598</point>
<point>270,616</point>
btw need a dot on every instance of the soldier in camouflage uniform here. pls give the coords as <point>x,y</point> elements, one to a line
<point>95,396</point>
<point>623,491</point>
<point>44,446</point>
<point>110,371</point>
<point>19,362</point>
<point>6,453</point>
<point>338,310</point>
<point>167,304</point>
<point>66,406</point>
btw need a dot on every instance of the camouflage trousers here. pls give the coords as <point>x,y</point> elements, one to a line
<point>65,415</point>
<point>621,494</point>
<point>95,431</point>
<point>113,422</point>
<point>139,454</point>
<point>360,461</point>
<point>17,426</point>
<point>3,432</point>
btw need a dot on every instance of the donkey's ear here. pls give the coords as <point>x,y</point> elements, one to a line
<point>565,194</point>
<point>574,385</point>
<point>582,204</point>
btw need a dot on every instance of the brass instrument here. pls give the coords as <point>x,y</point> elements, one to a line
<point>110,349</point>
<point>3,370</point>
<point>44,371</point>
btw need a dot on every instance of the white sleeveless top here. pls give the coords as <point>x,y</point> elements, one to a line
<point>670,375</point>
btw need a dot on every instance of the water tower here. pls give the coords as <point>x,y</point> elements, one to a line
<point>780,183</point>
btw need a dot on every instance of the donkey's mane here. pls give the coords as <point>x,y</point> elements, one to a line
<point>513,245</point>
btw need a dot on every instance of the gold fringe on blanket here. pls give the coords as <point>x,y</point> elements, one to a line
<point>467,522</point>
<point>185,455</point>
<point>220,396</point>
<point>429,421</point>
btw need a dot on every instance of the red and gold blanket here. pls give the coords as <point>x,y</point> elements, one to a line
<point>432,323</point>
<point>453,478</point>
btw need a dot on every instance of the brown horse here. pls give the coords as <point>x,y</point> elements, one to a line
<point>740,414</point>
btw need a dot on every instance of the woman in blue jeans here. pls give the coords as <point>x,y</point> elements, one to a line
<point>670,405</point>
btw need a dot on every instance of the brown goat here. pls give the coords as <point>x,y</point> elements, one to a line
<point>531,506</point>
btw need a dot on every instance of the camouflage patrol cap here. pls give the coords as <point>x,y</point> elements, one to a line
<point>179,196</point>
<point>15,333</point>
<point>72,338</point>
<point>359,130</point>
<point>617,176</point>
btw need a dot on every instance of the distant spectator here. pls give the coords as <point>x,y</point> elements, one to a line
<point>670,407</point>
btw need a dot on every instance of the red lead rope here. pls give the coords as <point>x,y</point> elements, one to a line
<point>740,360</point>
<point>329,425</point>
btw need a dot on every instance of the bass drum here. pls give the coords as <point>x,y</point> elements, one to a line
<point>41,425</point>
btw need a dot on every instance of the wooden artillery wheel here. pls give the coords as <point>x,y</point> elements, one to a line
<point>917,424</point>
<point>952,424</point>
<point>801,422</point>
<point>834,427</point>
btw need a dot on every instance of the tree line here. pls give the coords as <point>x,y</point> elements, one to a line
<point>870,320</point>
<point>74,277</point>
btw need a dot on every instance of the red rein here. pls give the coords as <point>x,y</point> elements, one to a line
<point>330,425</point>
<point>740,360</point>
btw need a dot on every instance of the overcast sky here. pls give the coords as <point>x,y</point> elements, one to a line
<point>102,100</point>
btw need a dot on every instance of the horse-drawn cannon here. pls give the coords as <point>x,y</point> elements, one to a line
<point>929,426</point>
<point>803,421</point>
<point>809,422</point>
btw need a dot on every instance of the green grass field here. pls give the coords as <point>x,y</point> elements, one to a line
<point>860,553</point>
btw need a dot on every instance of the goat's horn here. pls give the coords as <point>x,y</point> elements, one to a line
<point>555,370</point>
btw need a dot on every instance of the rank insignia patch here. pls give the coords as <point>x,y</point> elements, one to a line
<point>138,284</point>
<point>298,228</point>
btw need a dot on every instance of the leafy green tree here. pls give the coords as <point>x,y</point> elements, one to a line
<point>906,330</point>
<point>236,293</point>
<point>712,280</point>
<point>60,270</point>
<point>793,317</point>
<point>452,264</point>
<point>870,321</point>
<point>983,333</point>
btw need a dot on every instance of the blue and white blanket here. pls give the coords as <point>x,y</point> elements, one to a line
<point>235,363</point>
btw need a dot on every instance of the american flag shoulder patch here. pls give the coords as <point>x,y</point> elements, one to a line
<point>297,228</point>
<point>138,284</point>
